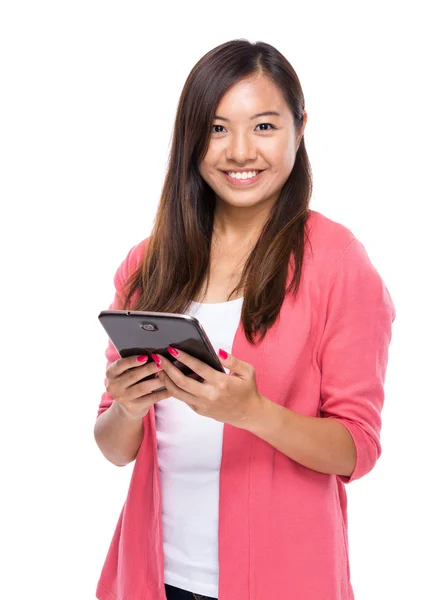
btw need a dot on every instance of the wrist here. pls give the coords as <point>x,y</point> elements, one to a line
<point>261,415</point>
<point>124,415</point>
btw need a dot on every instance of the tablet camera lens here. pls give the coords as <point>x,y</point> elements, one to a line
<point>149,327</point>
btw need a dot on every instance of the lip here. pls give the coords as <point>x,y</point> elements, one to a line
<point>242,182</point>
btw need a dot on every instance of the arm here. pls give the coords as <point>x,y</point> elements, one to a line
<point>352,357</point>
<point>118,436</point>
<point>323,445</point>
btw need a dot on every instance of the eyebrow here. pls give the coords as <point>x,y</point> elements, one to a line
<point>267,113</point>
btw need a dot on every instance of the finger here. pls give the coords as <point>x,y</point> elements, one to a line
<point>179,393</point>
<point>237,367</point>
<point>198,366</point>
<point>181,381</point>
<point>134,382</point>
<point>125,364</point>
<point>119,388</point>
<point>134,376</point>
<point>153,398</point>
<point>134,405</point>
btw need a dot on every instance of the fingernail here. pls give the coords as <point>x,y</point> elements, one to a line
<point>173,351</point>
<point>141,358</point>
<point>157,359</point>
<point>223,354</point>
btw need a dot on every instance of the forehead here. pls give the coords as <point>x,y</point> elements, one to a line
<point>250,96</point>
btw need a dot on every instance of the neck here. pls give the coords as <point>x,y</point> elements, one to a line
<point>239,225</point>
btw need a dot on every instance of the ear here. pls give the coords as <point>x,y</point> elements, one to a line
<point>301,131</point>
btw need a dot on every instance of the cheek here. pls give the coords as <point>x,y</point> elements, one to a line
<point>277,151</point>
<point>207,167</point>
<point>284,158</point>
<point>211,158</point>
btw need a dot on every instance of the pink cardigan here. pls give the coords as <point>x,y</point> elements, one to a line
<point>282,526</point>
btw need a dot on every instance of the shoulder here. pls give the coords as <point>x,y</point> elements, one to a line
<point>330,242</point>
<point>328,237</point>
<point>340,262</point>
<point>132,260</point>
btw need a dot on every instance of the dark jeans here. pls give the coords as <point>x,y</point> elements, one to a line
<point>174,593</point>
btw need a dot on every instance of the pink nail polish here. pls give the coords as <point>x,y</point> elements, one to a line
<point>157,359</point>
<point>223,354</point>
<point>173,351</point>
<point>141,358</point>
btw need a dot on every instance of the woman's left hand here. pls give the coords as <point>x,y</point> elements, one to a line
<point>229,398</point>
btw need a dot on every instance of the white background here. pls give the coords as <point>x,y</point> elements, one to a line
<point>88,98</point>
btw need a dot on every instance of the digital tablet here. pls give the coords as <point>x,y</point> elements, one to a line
<point>143,332</point>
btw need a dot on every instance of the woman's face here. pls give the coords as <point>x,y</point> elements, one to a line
<point>243,142</point>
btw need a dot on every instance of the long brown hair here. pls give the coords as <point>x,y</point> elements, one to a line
<point>177,257</point>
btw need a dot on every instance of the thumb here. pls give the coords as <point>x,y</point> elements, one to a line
<point>235,365</point>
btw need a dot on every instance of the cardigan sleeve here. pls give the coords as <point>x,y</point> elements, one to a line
<point>353,353</point>
<point>111,353</point>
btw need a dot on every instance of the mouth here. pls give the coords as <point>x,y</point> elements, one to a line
<point>243,182</point>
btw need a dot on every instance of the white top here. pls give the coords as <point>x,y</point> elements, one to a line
<point>189,459</point>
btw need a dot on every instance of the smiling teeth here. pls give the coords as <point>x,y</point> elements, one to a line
<point>248,175</point>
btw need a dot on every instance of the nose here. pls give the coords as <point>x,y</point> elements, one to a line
<point>241,149</point>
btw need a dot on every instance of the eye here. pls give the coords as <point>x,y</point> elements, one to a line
<point>260,125</point>
<point>269,124</point>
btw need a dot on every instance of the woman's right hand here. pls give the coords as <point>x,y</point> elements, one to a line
<point>135,397</point>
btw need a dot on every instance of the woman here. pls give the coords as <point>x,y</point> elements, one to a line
<point>237,491</point>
